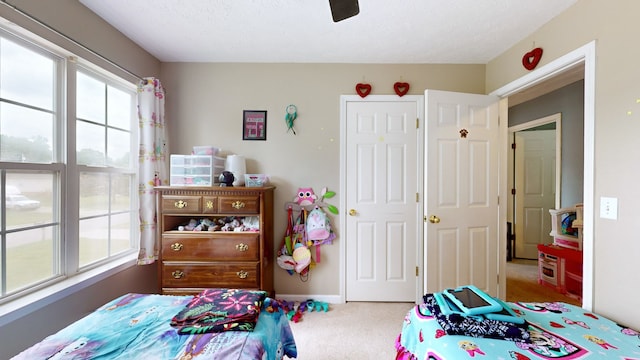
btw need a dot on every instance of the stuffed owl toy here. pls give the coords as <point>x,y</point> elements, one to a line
<point>305,196</point>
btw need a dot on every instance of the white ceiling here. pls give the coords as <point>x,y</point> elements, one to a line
<point>302,31</point>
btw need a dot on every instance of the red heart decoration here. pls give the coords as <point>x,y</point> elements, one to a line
<point>363,89</point>
<point>401,88</point>
<point>440,333</point>
<point>531,59</point>
<point>591,315</point>
<point>556,325</point>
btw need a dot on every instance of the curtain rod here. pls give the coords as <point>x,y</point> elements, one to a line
<point>48,27</point>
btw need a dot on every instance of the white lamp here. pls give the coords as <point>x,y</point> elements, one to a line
<point>237,165</point>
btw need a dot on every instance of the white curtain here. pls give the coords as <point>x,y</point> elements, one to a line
<point>152,163</point>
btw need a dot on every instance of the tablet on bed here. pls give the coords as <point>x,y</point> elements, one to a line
<point>447,307</point>
<point>506,314</point>
<point>472,301</point>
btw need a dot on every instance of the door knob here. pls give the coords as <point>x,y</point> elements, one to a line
<point>434,219</point>
<point>353,212</point>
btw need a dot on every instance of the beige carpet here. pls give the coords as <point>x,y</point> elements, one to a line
<point>368,330</point>
<point>355,330</point>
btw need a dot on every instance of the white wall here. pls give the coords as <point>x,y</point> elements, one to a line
<point>614,26</point>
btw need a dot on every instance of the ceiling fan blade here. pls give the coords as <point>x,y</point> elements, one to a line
<point>343,9</point>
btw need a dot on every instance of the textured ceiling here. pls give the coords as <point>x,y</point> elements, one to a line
<point>302,31</point>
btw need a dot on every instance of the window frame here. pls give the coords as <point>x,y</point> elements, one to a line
<point>71,277</point>
<point>110,80</point>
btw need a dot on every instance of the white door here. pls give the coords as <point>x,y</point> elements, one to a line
<point>381,204</point>
<point>535,184</point>
<point>461,186</point>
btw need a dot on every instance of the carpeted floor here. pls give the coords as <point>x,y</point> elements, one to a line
<point>368,330</point>
<point>355,330</point>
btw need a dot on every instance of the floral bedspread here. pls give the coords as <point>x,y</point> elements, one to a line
<point>558,331</point>
<point>137,326</point>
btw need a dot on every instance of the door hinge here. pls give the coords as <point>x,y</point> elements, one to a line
<point>513,145</point>
<point>417,123</point>
<point>513,191</point>
<point>417,197</point>
<point>417,271</point>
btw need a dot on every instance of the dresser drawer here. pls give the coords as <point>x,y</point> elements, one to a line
<point>181,204</point>
<point>239,204</point>
<point>190,260</point>
<point>204,247</point>
<point>209,204</point>
<point>208,275</point>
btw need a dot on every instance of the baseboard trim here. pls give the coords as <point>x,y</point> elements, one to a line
<point>331,299</point>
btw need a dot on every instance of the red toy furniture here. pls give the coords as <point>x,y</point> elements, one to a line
<point>561,269</point>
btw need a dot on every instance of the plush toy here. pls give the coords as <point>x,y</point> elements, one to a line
<point>191,225</point>
<point>305,196</point>
<point>251,223</point>
<point>228,223</point>
<point>207,224</point>
<point>231,224</point>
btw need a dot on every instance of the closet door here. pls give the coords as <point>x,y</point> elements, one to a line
<point>382,228</point>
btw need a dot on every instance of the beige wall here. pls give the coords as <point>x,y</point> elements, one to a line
<point>205,103</point>
<point>614,26</point>
<point>76,22</point>
<point>204,107</point>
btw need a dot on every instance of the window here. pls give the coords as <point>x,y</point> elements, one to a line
<point>103,146</point>
<point>67,169</point>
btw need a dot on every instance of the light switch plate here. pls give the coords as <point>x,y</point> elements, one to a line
<point>609,208</point>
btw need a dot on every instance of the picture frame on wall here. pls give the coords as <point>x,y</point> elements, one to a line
<point>254,125</point>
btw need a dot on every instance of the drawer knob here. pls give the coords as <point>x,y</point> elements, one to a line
<point>176,246</point>
<point>180,204</point>
<point>242,247</point>
<point>242,274</point>
<point>177,274</point>
<point>237,205</point>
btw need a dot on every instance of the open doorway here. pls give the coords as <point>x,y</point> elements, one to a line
<point>544,179</point>
<point>534,169</point>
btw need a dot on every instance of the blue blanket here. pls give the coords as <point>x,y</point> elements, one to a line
<point>137,326</point>
<point>558,331</point>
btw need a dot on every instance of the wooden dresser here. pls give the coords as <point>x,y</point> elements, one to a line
<point>193,260</point>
